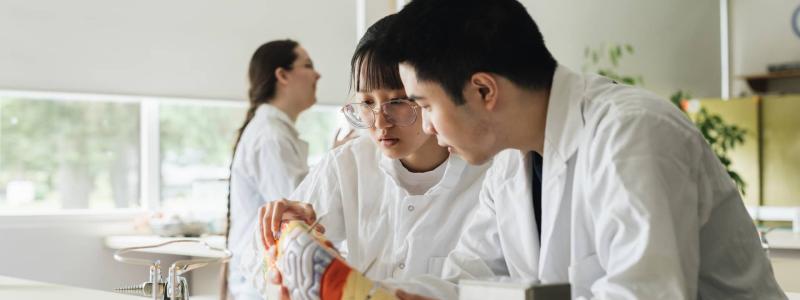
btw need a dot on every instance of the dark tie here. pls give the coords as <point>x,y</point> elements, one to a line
<point>536,189</point>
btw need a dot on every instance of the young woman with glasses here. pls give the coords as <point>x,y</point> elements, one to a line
<point>395,202</point>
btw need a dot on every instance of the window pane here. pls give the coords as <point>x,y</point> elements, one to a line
<point>317,126</point>
<point>196,147</point>
<point>60,154</point>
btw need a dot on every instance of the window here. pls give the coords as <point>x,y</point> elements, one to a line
<point>68,154</point>
<point>196,143</point>
<point>317,126</point>
<point>76,152</point>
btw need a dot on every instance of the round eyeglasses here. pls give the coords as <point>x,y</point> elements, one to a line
<point>399,112</point>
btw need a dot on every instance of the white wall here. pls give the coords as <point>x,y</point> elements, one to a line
<point>181,48</point>
<point>761,34</point>
<point>377,9</point>
<point>201,48</point>
<point>677,42</point>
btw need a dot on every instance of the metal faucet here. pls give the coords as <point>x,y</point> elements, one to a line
<point>175,287</point>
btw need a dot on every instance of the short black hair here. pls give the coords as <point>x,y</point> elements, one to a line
<point>447,41</point>
<point>369,69</point>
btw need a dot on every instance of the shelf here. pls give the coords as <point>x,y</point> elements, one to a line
<point>758,82</point>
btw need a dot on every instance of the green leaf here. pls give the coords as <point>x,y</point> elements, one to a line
<point>613,57</point>
<point>629,48</point>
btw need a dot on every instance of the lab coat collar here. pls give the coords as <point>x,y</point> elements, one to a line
<point>564,116</point>
<point>268,111</point>
<point>563,132</point>
<point>452,173</point>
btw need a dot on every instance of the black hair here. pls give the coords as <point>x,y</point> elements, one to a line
<point>370,69</point>
<point>447,41</point>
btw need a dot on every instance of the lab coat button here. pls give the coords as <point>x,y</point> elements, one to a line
<point>401,266</point>
<point>411,208</point>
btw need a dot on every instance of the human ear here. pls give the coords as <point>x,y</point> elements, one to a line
<point>485,86</point>
<point>281,75</point>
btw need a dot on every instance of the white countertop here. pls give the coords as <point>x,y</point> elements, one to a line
<point>185,249</point>
<point>13,288</point>
<point>784,239</point>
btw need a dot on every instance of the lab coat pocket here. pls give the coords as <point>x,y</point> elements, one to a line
<point>435,265</point>
<point>583,273</point>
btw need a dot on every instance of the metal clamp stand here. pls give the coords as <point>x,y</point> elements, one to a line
<point>175,287</point>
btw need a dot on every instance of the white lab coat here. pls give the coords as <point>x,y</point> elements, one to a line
<point>361,203</point>
<point>635,205</point>
<point>269,163</point>
<point>363,208</point>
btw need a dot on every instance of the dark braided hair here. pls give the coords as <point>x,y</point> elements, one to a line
<point>267,58</point>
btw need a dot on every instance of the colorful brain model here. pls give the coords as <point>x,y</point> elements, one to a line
<point>312,269</point>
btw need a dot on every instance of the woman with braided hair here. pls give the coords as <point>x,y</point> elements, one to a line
<point>269,159</point>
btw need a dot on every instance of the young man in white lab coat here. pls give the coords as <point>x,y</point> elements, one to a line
<point>602,185</point>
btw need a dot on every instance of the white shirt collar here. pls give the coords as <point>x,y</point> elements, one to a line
<point>269,111</point>
<point>452,174</point>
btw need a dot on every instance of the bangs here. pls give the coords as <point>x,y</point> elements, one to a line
<point>370,72</point>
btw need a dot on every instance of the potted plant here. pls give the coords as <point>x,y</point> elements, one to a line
<point>720,135</point>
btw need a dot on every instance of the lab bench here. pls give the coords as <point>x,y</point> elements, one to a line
<point>781,239</point>
<point>784,252</point>
<point>15,288</point>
